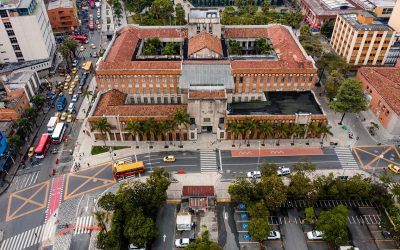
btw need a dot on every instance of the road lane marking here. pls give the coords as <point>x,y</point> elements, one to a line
<point>282,163</point>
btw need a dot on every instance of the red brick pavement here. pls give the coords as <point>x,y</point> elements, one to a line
<point>276,152</point>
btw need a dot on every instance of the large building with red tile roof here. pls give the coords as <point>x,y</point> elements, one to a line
<point>382,85</point>
<point>195,66</point>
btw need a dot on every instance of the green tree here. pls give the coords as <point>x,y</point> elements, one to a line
<point>305,30</point>
<point>266,5</point>
<point>103,127</point>
<point>149,50</point>
<point>266,128</point>
<point>273,190</point>
<point>333,83</point>
<point>294,19</point>
<point>268,169</point>
<point>170,49</point>
<point>310,215</point>
<point>327,28</point>
<point>386,177</point>
<point>180,14</point>
<point>86,93</point>
<point>234,47</point>
<point>117,7</point>
<point>296,131</point>
<point>71,44</point>
<point>159,182</point>
<point>300,187</point>
<point>259,229</point>
<point>257,210</point>
<point>140,230</point>
<point>242,190</point>
<point>304,167</point>
<point>31,113</point>
<point>281,130</point>
<point>263,47</point>
<point>15,142</point>
<point>325,130</point>
<point>149,129</point>
<point>163,9</point>
<point>333,224</point>
<point>396,190</point>
<point>106,240</point>
<point>107,201</point>
<point>38,100</point>
<point>249,127</point>
<point>203,243</point>
<point>180,119</point>
<point>134,128</point>
<point>165,128</point>
<point>234,128</point>
<point>350,98</point>
<point>24,125</point>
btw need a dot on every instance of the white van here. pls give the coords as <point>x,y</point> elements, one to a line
<point>283,171</point>
<point>71,107</point>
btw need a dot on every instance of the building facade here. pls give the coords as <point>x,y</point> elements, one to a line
<point>381,85</point>
<point>204,76</point>
<point>361,39</point>
<point>27,80</point>
<point>13,105</point>
<point>63,15</point>
<point>25,32</point>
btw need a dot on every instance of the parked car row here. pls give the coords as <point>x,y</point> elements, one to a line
<point>282,171</point>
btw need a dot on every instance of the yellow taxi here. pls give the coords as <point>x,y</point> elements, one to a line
<point>74,70</point>
<point>69,118</point>
<point>169,158</point>
<point>77,77</point>
<point>58,115</point>
<point>395,169</point>
<point>71,91</point>
<point>66,86</point>
<point>63,116</point>
<point>31,151</point>
<point>73,85</point>
<point>68,78</point>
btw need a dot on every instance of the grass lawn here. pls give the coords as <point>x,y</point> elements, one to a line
<point>101,149</point>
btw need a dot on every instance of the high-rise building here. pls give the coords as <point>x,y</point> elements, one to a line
<point>361,39</point>
<point>25,32</point>
<point>394,20</point>
<point>62,15</point>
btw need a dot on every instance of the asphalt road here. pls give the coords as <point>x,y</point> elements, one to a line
<point>166,220</point>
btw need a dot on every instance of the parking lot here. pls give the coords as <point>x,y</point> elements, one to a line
<point>364,224</point>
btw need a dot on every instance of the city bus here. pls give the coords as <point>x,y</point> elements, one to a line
<point>81,39</point>
<point>42,146</point>
<point>87,66</point>
<point>122,169</point>
<point>58,133</point>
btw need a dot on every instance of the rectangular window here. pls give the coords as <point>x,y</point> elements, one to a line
<point>387,11</point>
<point>18,54</point>
<point>16,47</point>
<point>3,13</point>
<point>10,33</point>
<point>7,25</point>
<point>207,119</point>
<point>13,40</point>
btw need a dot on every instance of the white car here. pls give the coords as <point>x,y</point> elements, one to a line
<point>315,235</point>
<point>182,242</point>
<point>274,235</point>
<point>254,174</point>
<point>75,98</point>
<point>283,171</point>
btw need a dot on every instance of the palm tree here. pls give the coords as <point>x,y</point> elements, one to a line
<point>103,127</point>
<point>15,142</point>
<point>30,113</point>
<point>234,128</point>
<point>86,93</point>
<point>24,125</point>
<point>311,130</point>
<point>180,119</point>
<point>282,129</point>
<point>325,130</point>
<point>149,129</point>
<point>71,44</point>
<point>66,53</point>
<point>249,126</point>
<point>134,128</point>
<point>165,127</point>
<point>296,130</point>
<point>266,128</point>
<point>39,100</point>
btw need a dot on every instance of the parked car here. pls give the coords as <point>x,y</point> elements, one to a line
<point>182,242</point>
<point>254,174</point>
<point>31,151</point>
<point>274,235</point>
<point>315,235</point>
<point>75,98</point>
<point>283,171</point>
<point>169,158</point>
<point>75,63</point>
<point>133,247</point>
<point>395,169</point>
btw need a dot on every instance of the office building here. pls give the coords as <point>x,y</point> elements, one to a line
<point>63,16</point>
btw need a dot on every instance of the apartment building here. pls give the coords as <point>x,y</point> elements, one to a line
<point>63,15</point>
<point>216,74</point>
<point>13,105</point>
<point>27,80</point>
<point>25,32</point>
<point>361,39</point>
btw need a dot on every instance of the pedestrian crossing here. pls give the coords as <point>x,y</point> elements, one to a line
<point>346,158</point>
<point>208,161</point>
<point>24,180</point>
<point>83,224</point>
<point>30,238</point>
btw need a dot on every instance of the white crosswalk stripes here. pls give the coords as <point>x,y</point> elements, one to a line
<point>346,158</point>
<point>24,180</point>
<point>29,238</point>
<point>208,161</point>
<point>82,224</point>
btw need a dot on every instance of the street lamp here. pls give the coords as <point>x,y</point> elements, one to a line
<point>258,159</point>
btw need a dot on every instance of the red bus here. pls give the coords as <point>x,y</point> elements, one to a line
<point>43,146</point>
<point>81,39</point>
<point>91,24</point>
<point>122,169</point>
<point>92,4</point>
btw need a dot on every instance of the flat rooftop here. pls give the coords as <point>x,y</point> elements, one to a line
<point>278,103</point>
<point>197,13</point>
<point>60,4</point>
<point>332,8</point>
<point>375,26</point>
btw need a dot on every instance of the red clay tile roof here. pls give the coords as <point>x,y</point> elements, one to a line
<point>386,82</point>
<point>198,191</point>
<point>289,52</point>
<point>113,103</point>
<point>205,40</point>
<point>220,94</point>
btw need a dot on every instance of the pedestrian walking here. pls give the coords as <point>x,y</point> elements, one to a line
<point>88,165</point>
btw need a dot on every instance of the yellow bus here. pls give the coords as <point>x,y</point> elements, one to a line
<point>87,66</point>
<point>122,169</point>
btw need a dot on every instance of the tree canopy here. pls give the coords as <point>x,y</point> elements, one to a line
<point>203,243</point>
<point>333,224</point>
